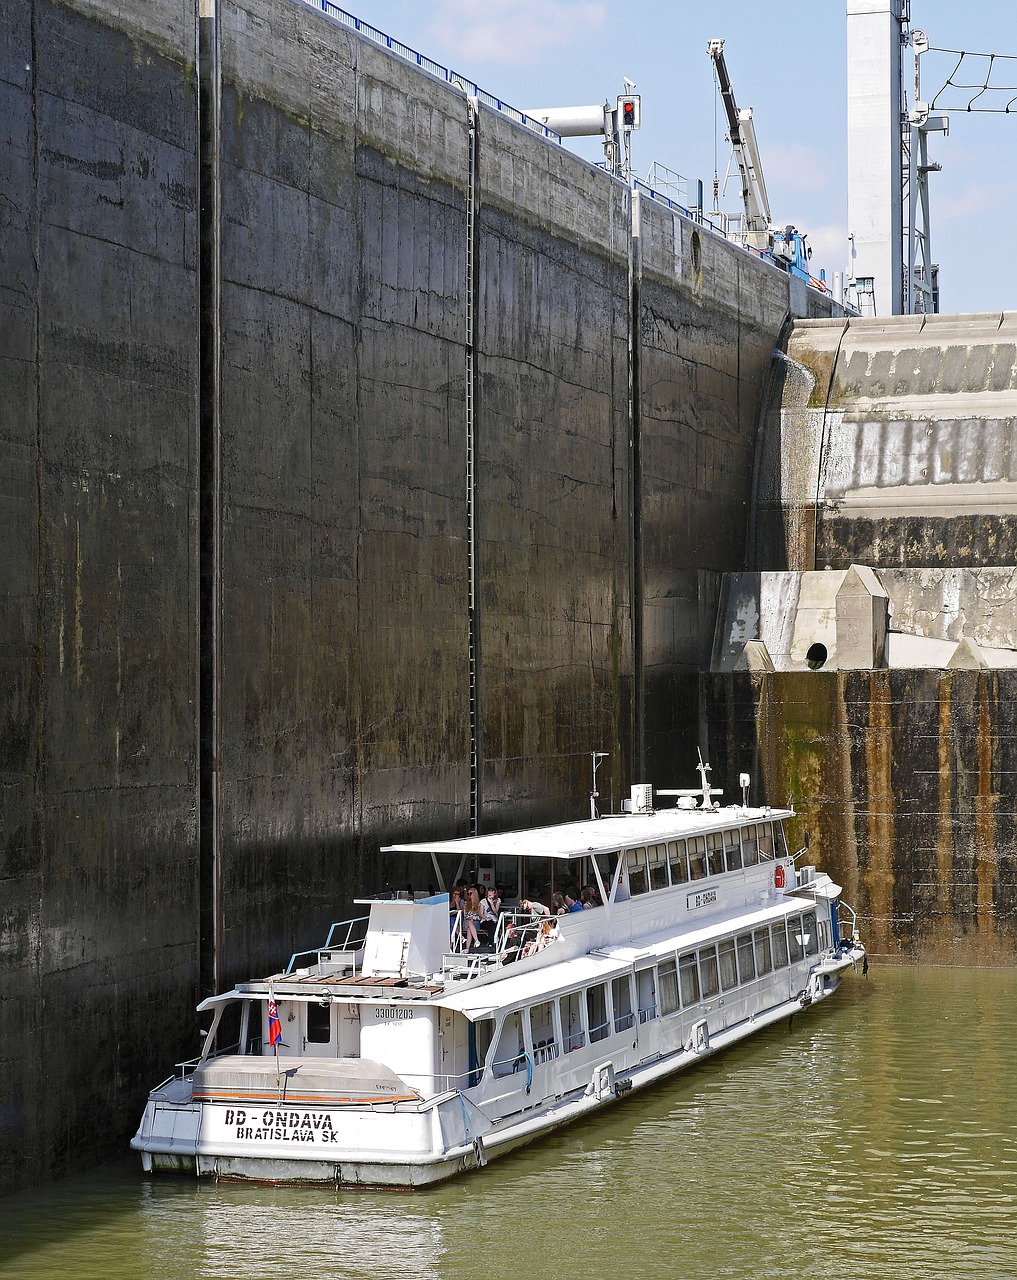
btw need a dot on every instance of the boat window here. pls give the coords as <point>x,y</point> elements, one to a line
<point>732,851</point>
<point>510,1055</point>
<point>676,858</point>
<point>750,847</point>
<point>483,1033</point>
<point>765,841</point>
<point>779,841</point>
<point>542,1035</point>
<point>714,853</point>
<point>795,944</point>
<point>764,963</point>
<point>810,938</point>
<point>709,977</point>
<point>635,862</point>
<point>824,934</point>
<point>778,937</point>
<point>621,997</point>
<point>319,1023</point>
<point>572,1021</point>
<point>728,964</point>
<point>252,1010</point>
<point>646,995</point>
<point>667,983</point>
<point>697,858</point>
<point>656,857</point>
<point>746,964</point>
<point>688,976</point>
<point>596,1012</point>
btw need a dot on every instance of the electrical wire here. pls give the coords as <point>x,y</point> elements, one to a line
<point>982,87</point>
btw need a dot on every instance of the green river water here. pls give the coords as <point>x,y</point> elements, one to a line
<point>876,1138</point>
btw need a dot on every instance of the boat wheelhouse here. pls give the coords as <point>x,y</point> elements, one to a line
<point>393,1055</point>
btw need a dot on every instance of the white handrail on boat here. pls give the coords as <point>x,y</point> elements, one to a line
<point>350,943</point>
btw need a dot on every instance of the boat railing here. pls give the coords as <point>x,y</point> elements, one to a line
<point>345,938</point>
<point>514,932</point>
<point>843,906</point>
<point>443,1083</point>
<point>457,931</point>
<point>184,1069</point>
<point>647,1012</point>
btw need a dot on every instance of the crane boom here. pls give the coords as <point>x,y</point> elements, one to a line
<point>743,143</point>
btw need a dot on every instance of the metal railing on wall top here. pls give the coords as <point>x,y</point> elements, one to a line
<point>464,83</point>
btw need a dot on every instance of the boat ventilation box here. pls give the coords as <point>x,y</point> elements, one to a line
<point>335,962</point>
<point>642,798</point>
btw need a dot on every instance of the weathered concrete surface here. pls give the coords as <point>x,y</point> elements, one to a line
<point>890,442</point>
<point>554,516</point>
<point>903,780</point>
<point>344,671</point>
<point>97,417</point>
<point>707,319</point>
<point>342,704</point>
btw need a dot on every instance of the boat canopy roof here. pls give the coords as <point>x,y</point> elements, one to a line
<point>571,840</point>
<point>525,988</point>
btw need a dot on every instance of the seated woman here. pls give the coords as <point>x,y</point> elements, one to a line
<point>471,918</point>
<point>547,932</point>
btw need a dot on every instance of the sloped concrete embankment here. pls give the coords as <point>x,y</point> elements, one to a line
<point>888,446</point>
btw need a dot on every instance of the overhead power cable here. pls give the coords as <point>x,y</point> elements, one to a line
<point>987,80</point>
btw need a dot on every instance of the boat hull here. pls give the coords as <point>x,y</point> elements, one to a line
<point>401,1146</point>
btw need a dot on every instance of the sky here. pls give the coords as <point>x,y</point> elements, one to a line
<point>786,61</point>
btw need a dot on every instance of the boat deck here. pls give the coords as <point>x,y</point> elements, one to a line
<point>343,984</point>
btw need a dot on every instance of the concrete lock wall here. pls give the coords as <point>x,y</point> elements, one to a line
<point>260,308</point>
<point>903,781</point>
<point>98,875</point>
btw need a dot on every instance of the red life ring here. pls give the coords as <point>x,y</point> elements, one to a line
<point>778,876</point>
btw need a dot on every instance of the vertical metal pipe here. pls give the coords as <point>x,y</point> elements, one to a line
<point>636,496</point>
<point>209,135</point>
<point>472,296</point>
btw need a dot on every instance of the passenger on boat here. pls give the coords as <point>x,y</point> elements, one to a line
<point>572,903</point>
<point>455,909</point>
<point>557,904</point>
<point>546,933</point>
<point>490,909</point>
<point>590,898</point>
<point>472,918</point>
<point>532,908</point>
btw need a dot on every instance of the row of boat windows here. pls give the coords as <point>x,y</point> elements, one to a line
<point>656,866</point>
<point>672,984</point>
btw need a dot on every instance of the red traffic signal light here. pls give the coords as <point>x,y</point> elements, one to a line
<point>628,111</point>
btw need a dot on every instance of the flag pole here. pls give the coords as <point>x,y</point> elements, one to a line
<point>274,1009</point>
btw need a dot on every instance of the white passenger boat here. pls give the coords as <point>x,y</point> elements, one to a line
<point>401,1059</point>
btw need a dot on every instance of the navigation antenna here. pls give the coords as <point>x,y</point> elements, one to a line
<point>708,791</point>
<point>598,756</point>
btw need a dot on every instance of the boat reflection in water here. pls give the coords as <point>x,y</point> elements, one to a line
<point>250,1231</point>
<point>424,1040</point>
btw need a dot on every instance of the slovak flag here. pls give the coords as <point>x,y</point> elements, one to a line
<point>274,1025</point>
